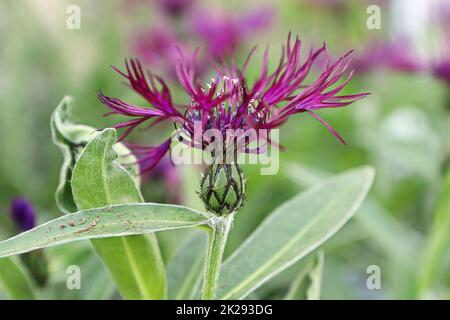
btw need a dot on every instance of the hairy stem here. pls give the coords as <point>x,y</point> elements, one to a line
<point>217,239</point>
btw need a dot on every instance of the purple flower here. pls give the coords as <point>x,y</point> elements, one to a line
<point>149,156</point>
<point>398,56</point>
<point>175,8</point>
<point>158,47</point>
<point>439,65</point>
<point>440,13</point>
<point>166,171</point>
<point>221,32</point>
<point>440,68</point>
<point>229,102</point>
<point>23,213</point>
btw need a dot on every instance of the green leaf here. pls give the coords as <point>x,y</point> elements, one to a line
<point>399,242</point>
<point>390,235</point>
<point>71,139</point>
<point>105,222</point>
<point>292,231</point>
<point>135,263</point>
<point>98,179</point>
<point>15,281</point>
<point>185,268</point>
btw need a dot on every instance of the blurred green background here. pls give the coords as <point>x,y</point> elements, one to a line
<point>402,129</point>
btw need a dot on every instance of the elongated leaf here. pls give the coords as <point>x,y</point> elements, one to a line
<point>98,179</point>
<point>135,262</point>
<point>111,221</point>
<point>71,139</point>
<point>14,280</point>
<point>184,270</point>
<point>390,235</point>
<point>292,231</point>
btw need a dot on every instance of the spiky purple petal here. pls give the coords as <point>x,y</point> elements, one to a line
<point>228,102</point>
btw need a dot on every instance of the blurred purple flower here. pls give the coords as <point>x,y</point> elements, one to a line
<point>168,173</point>
<point>441,14</point>
<point>175,8</point>
<point>440,68</point>
<point>153,44</point>
<point>221,32</point>
<point>228,102</point>
<point>158,46</point>
<point>154,167</point>
<point>23,213</point>
<point>398,56</point>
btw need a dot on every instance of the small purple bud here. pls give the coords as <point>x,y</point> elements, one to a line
<point>23,213</point>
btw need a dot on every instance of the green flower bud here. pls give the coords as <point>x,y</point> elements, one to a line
<point>222,188</point>
<point>37,264</point>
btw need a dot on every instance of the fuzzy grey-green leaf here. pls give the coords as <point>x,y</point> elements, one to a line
<point>292,231</point>
<point>71,139</point>
<point>110,221</point>
<point>98,179</point>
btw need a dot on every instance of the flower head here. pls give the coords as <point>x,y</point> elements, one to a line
<point>229,103</point>
<point>23,213</point>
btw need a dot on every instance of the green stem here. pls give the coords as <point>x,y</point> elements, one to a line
<point>217,239</point>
